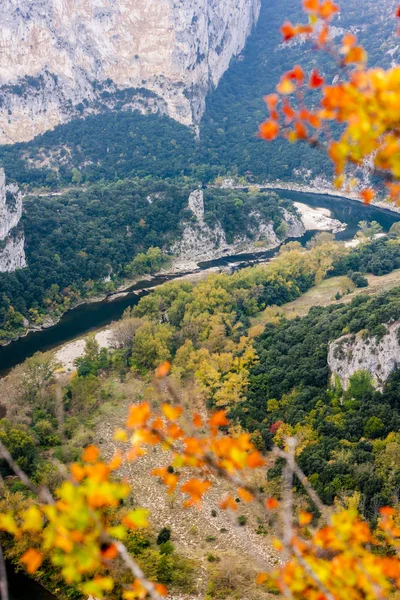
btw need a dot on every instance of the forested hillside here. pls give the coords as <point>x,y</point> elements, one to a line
<point>85,242</point>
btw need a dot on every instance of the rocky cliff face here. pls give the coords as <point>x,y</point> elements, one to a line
<point>12,255</point>
<point>65,58</point>
<point>200,242</point>
<point>352,353</point>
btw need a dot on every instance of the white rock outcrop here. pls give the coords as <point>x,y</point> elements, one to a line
<point>352,353</point>
<point>318,219</point>
<point>66,58</point>
<point>201,242</point>
<point>12,254</point>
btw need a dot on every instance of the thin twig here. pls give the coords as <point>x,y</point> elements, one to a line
<point>3,577</point>
<point>288,492</point>
<point>137,571</point>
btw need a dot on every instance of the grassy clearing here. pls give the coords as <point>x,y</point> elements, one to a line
<point>324,294</point>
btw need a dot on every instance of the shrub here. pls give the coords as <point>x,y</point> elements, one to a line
<point>164,535</point>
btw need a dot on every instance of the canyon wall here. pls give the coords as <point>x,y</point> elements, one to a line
<point>12,254</point>
<point>61,59</point>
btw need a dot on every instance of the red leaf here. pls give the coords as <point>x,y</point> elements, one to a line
<point>296,74</point>
<point>316,80</point>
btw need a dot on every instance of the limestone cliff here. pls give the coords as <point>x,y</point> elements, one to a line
<point>66,58</point>
<point>352,353</point>
<point>12,255</point>
<point>202,242</point>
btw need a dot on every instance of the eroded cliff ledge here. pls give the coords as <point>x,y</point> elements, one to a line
<point>352,353</point>
<point>65,58</point>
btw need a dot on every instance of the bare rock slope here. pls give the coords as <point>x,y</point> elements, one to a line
<point>12,254</point>
<point>65,58</point>
<point>379,357</point>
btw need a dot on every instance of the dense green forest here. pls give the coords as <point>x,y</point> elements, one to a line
<point>85,242</point>
<point>290,385</point>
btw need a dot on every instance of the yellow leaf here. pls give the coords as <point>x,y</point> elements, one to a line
<point>285,87</point>
<point>32,519</point>
<point>136,518</point>
<point>120,435</point>
<point>304,518</point>
<point>172,413</point>
<point>7,523</point>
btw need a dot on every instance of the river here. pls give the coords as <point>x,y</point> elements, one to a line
<point>88,317</point>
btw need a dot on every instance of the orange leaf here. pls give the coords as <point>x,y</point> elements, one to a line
<point>110,552</point>
<point>78,472</point>
<point>32,560</point>
<point>172,413</point>
<point>219,419</point>
<point>367,196</point>
<point>387,511</point>
<point>262,578</point>
<point>163,369</point>
<point>115,462</point>
<point>195,489</point>
<point>91,454</point>
<point>288,111</point>
<point>271,503</point>
<point>161,589</point>
<point>301,131</point>
<point>269,130</point>
<point>228,502</point>
<point>327,9</point>
<point>271,101</point>
<point>304,29</point>
<point>197,421</point>
<point>138,415</point>
<point>356,55</point>
<point>288,31</point>
<point>316,80</point>
<point>254,459</point>
<point>304,518</point>
<point>311,5</point>
<point>398,11</point>
<point>245,495</point>
<point>296,74</point>
<point>349,40</point>
<point>323,36</point>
